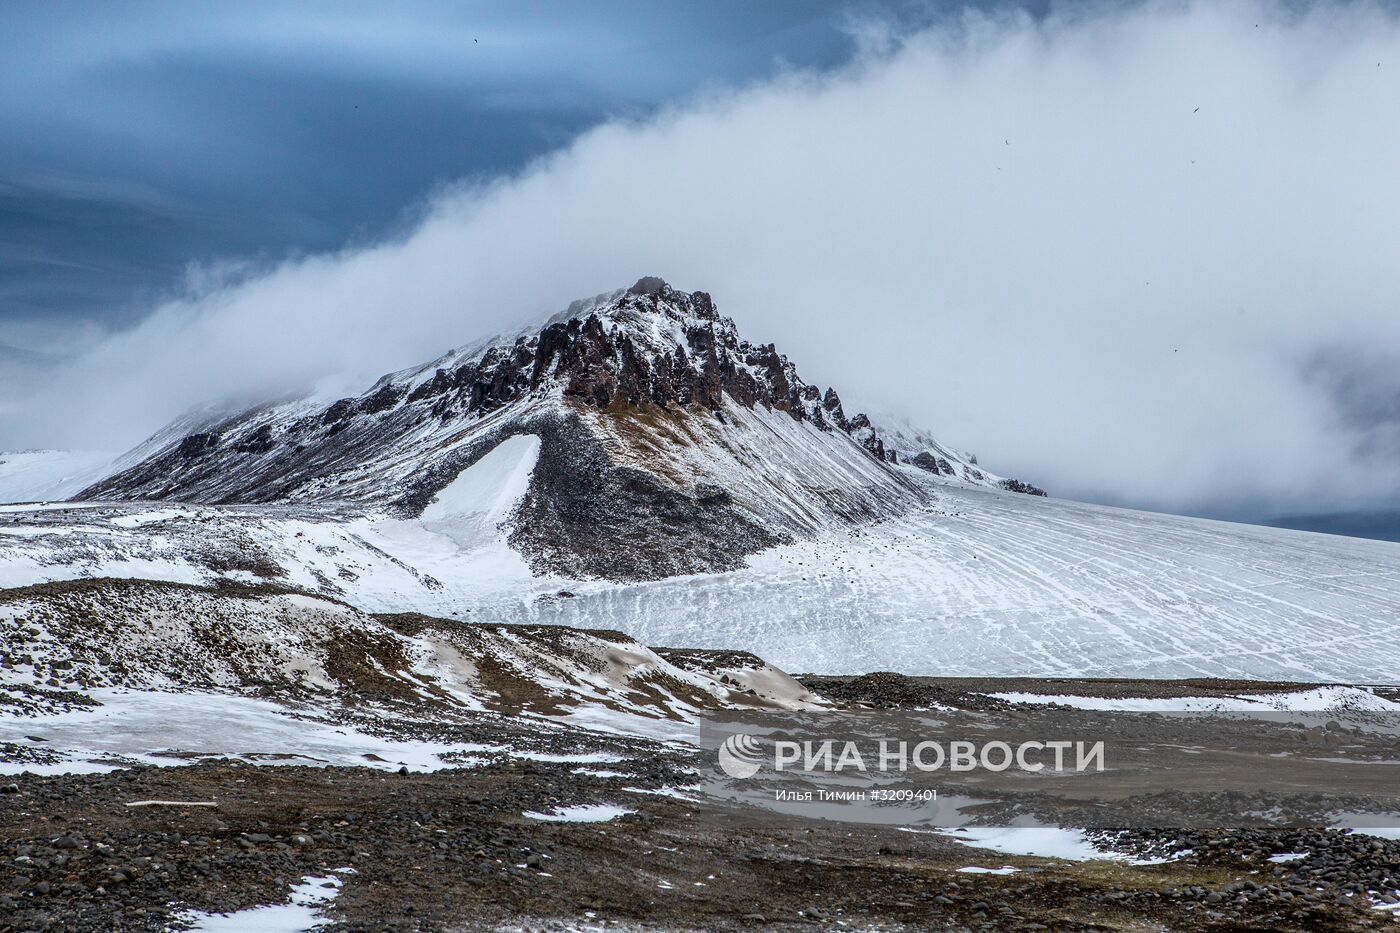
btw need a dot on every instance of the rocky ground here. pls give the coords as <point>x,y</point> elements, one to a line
<point>456,850</point>
<point>552,722</point>
<point>453,850</point>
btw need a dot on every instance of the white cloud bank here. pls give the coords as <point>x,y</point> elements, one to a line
<point>1118,254</point>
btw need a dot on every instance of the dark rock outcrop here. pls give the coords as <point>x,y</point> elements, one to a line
<point>588,517</point>
<point>927,461</point>
<point>196,445</point>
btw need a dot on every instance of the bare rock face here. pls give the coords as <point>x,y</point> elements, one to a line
<point>863,431</point>
<point>934,464</point>
<point>587,517</point>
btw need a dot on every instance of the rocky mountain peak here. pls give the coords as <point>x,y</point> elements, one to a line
<point>657,346</point>
<point>667,442</point>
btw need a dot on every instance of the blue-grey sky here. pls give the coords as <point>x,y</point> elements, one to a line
<point>136,139</point>
<point>1139,253</point>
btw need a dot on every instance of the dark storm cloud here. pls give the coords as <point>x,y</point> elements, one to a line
<point>138,140</point>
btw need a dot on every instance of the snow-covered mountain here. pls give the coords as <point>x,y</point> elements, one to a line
<point>635,465</point>
<point>665,443</point>
<point>908,444</point>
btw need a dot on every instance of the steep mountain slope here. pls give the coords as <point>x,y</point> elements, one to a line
<point>913,446</point>
<point>666,443</point>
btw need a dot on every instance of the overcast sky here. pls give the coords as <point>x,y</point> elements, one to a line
<point>1142,255</point>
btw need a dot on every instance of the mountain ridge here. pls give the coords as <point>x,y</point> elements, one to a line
<point>669,444</point>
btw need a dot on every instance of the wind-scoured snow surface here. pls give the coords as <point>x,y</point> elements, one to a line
<point>988,583</point>
<point>43,475</point>
<point>1339,699</point>
<point>981,583</point>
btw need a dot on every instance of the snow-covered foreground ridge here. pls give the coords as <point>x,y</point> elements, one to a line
<point>111,634</point>
<point>978,583</point>
<point>113,672</point>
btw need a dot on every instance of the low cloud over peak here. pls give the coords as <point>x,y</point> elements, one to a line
<point>1126,255</point>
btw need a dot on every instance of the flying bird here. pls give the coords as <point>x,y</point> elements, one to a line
<point>1197,110</point>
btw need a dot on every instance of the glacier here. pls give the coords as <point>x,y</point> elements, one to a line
<point>988,583</point>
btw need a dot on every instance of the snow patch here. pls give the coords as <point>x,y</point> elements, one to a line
<point>975,870</point>
<point>1317,700</point>
<point>178,728</point>
<point>469,509</point>
<point>301,913</point>
<point>582,813</point>
<point>1072,845</point>
<point>1284,857</point>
